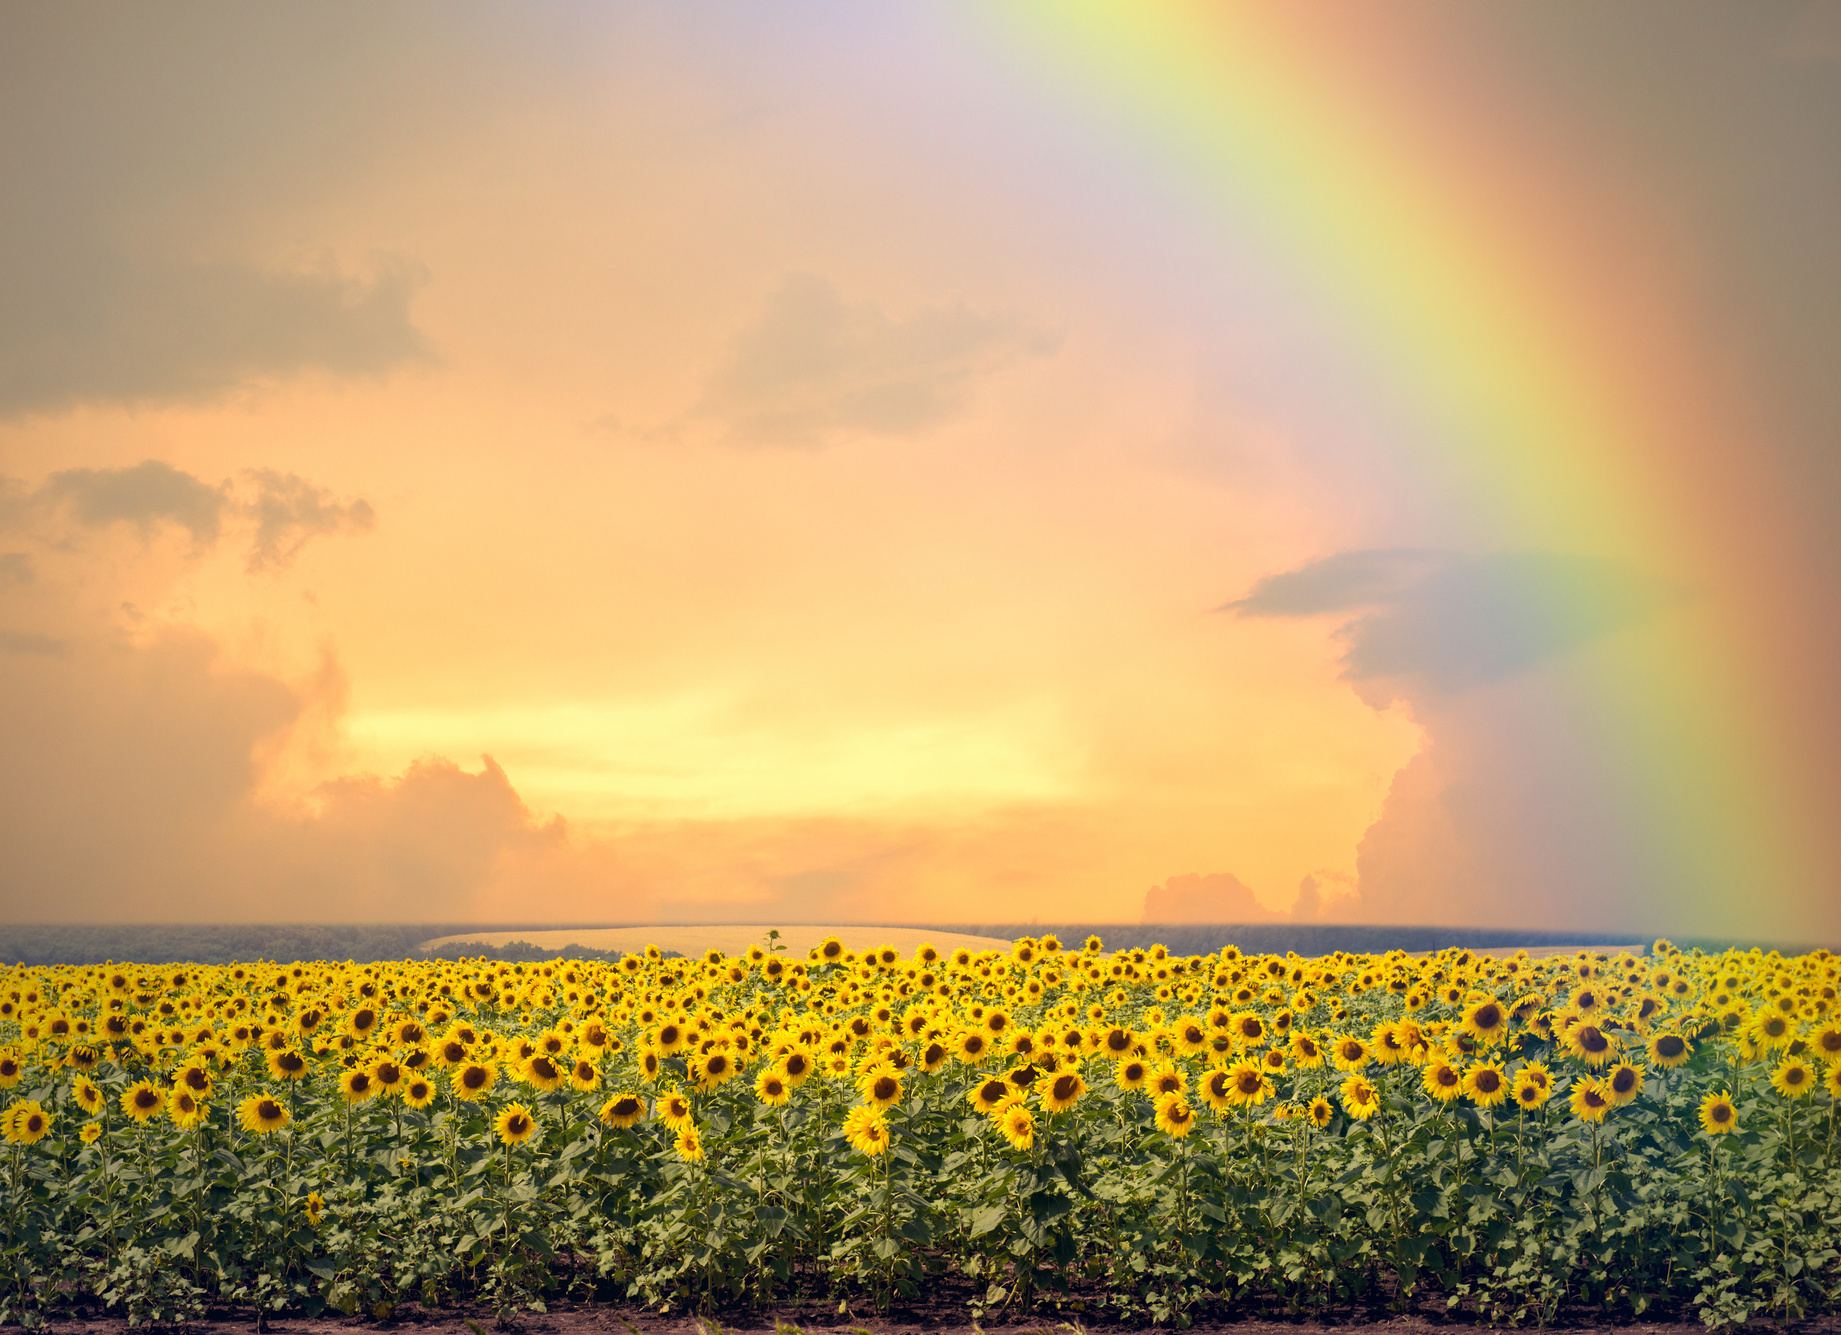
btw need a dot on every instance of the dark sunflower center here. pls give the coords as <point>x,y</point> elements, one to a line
<point>268,1110</point>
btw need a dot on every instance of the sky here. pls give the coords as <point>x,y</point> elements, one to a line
<point>931,463</point>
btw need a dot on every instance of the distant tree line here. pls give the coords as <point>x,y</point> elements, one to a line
<point>153,944</point>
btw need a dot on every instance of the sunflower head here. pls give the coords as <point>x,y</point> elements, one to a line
<point>515,1124</point>
<point>1174,1116</point>
<point>1017,1126</point>
<point>1717,1114</point>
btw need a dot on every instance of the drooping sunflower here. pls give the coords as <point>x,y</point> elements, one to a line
<point>1360,1099</point>
<point>1174,1115</point>
<point>623,1110</point>
<point>541,1071</point>
<point>867,1131</point>
<point>1063,1092</point>
<point>1669,1050</point>
<point>1590,1100</point>
<point>1623,1082</point>
<point>1017,1125</point>
<point>1794,1078</point>
<point>262,1114</point>
<point>515,1124</point>
<point>473,1081</point>
<point>1717,1114</point>
<point>143,1100</point>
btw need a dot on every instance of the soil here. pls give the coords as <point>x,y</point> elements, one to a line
<point>936,1314</point>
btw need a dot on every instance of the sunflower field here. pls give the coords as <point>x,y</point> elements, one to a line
<point>1127,1135</point>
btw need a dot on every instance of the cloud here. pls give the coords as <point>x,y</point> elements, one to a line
<point>289,510</point>
<point>25,642</point>
<point>143,497</point>
<point>1450,621</point>
<point>813,367</point>
<point>130,791</point>
<point>284,510</point>
<point>1506,817</point>
<point>1220,897</point>
<point>86,326</point>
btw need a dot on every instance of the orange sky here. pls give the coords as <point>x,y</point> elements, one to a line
<point>807,472</point>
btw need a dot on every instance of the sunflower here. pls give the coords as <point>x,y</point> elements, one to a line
<point>867,1131</point>
<point>91,1133</point>
<point>315,1208</point>
<point>418,1092</point>
<point>1348,1053</point>
<point>287,1064</point>
<point>1717,1115</point>
<point>1320,1110</point>
<point>1174,1115</point>
<point>261,1113</point>
<point>87,1096</point>
<point>1590,1100</point>
<point>1305,1050</point>
<point>472,1081</point>
<point>771,1087</point>
<point>389,1076</point>
<point>1247,1085</point>
<point>974,1047</point>
<point>1586,1001</point>
<point>1623,1082</point>
<point>1063,1092</point>
<point>1588,1043</point>
<point>1669,1050</point>
<point>1826,1043</point>
<point>541,1071</point>
<point>1165,1080</point>
<point>363,1022</point>
<point>674,1111</point>
<point>623,1110</point>
<point>1017,1126</point>
<point>11,1069</point>
<point>1486,1085</point>
<point>1118,1043</point>
<point>358,1085</point>
<point>1794,1078</point>
<point>881,1090</point>
<point>1442,1080</point>
<point>515,1124</point>
<point>797,1067</point>
<point>1360,1099</point>
<point>688,1144</point>
<point>1486,1021</point>
<point>1217,1090</point>
<point>1132,1073</point>
<point>142,1101</point>
<point>27,1123</point>
<point>1528,1093</point>
<point>185,1109</point>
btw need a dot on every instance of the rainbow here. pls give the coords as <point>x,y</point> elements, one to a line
<point>1552,395</point>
